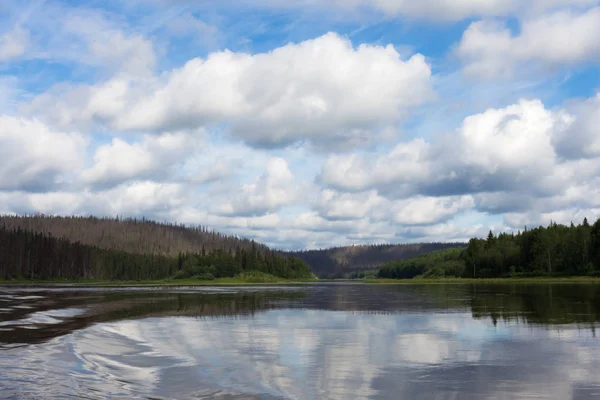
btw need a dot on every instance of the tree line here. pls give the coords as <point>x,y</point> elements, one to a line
<point>555,250</point>
<point>25,254</point>
<point>131,235</point>
<point>351,261</point>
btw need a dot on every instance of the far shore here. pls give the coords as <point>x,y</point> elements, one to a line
<point>161,282</point>
<point>244,282</point>
<point>533,279</point>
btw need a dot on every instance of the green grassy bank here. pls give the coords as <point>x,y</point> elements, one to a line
<point>540,279</point>
<point>242,279</point>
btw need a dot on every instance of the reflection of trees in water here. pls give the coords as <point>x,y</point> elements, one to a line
<point>546,304</point>
<point>115,306</point>
<point>543,304</point>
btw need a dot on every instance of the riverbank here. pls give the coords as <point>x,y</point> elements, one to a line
<point>281,281</point>
<point>161,282</point>
<point>537,279</point>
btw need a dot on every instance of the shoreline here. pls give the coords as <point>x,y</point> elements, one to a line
<point>535,279</point>
<point>161,282</point>
<point>284,282</point>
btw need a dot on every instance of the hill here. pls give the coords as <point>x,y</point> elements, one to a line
<point>556,250</point>
<point>43,247</point>
<point>338,262</point>
<point>138,236</point>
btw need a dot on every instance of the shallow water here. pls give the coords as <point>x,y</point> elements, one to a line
<point>307,342</point>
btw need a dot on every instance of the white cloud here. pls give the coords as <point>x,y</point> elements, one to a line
<point>323,90</point>
<point>417,210</point>
<point>501,139</point>
<point>490,49</point>
<point>533,219</point>
<point>581,137</point>
<point>62,203</point>
<point>491,151</point>
<point>277,187</point>
<point>423,210</point>
<point>347,206</point>
<point>274,117</point>
<point>406,164</point>
<point>34,157</point>
<point>107,45</point>
<point>140,198</point>
<point>153,158</point>
<point>13,44</point>
<point>445,232</point>
<point>79,36</point>
<point>523,161</point>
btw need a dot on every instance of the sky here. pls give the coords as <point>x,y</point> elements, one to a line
<point>304,123</point>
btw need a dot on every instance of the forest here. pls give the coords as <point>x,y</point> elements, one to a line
<point>555,250</point>
<point>351,261</point>
<point>132,235</point>
<point>54,253</point>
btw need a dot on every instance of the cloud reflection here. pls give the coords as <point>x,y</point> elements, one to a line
<point>302,354</point>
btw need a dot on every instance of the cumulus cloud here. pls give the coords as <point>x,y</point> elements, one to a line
<point>277,187</point>
<point>13,44</point>
<point>424,210</point>
<point>511,160</point>
<point>36,158</point>
<point>293,153</point>
<point>491,151</point>
<point>489,48</point>
<point>405,165</point>
<point>334,206</point>
<point>450,231</point>
<point>581,138</point>
<point>320,90</point>
<point>152,158</point>
<point>140,198</point>
<point>417,210</point>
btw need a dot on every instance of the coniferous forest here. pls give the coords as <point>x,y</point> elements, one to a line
<point>556,250</point>
<point>35,248</point>
<point>347,261</point>
<point>42,247</point>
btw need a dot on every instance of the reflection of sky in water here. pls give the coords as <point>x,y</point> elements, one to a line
<point>44,317</point>
<point>310,354</point>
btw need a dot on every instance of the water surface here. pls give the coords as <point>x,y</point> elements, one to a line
<point>332,341</point>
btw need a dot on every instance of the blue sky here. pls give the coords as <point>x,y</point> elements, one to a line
<point>304,123</point>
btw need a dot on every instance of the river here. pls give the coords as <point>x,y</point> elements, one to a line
<point>321,341</point>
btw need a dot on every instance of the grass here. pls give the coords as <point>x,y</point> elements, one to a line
<point>237,281</point>
<point>272,280</point>
<point>539,279</point>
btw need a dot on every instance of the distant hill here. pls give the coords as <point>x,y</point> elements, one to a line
<point>45,247</point>
<point>337,262</point>
<point>141,236</point>
<point>137,236</point>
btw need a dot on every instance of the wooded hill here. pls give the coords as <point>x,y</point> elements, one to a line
<point>41,247</point>
<point>139,236</point>
<point>556,250</point>
<point>340,262</point>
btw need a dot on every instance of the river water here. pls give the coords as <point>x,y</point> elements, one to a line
<point>322,341</point>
